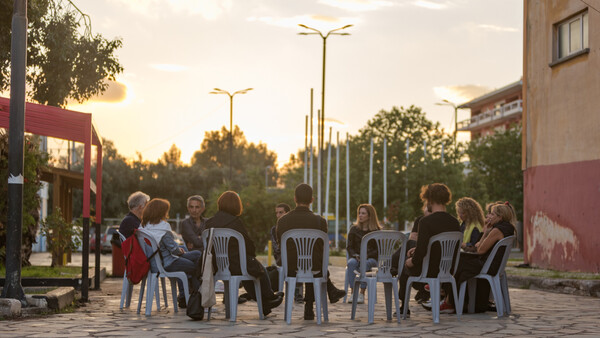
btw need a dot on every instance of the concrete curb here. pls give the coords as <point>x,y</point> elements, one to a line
<point>580,287</point>
<point>60,298</point>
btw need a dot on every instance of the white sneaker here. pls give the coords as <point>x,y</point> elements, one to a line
<point>219,287</point>
<point>361,299</point>
<point>350,297</point>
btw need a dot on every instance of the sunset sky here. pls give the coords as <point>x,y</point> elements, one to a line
<point>399,53</point>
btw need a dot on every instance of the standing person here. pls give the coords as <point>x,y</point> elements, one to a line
<point>230,208</point>
<point>303,218</point>
<point>154,221</point>
<point>435,197</point>
<point>471,215</point>
<point>192,227</point>
<point>367,222</point>
<point>136,203</point>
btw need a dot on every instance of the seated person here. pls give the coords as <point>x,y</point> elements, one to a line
<point>500,223</point>
<point>471,215</point>
<point>367,222</point>
<point>192,227</point>
<point>173,257</point>
<point>435,197</point>
<point>230,208</point>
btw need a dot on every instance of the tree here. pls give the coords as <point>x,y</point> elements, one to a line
<point>34,160</point>
<point>495,163</point>
<point>62,63</point>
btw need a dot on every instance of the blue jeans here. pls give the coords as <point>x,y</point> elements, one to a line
<point>188,263</point>
<point>354,264</point>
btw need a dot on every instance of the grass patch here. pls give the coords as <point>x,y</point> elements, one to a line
<point>533,272</point>
<point>46,271</point>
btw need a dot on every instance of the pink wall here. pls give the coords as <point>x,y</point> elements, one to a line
<point>562,216</point>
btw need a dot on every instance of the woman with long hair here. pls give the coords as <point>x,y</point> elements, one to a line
<point>366,222</point>
<point>174,258</point>
<point>228,215</point>
<point>471,215</point>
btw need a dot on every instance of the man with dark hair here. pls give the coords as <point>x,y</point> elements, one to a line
<point>435,197</point>
<point>192,227</point>
<point>303,218</point>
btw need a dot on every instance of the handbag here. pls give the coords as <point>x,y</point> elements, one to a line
<point>194,308</point>
<point>207,288</point>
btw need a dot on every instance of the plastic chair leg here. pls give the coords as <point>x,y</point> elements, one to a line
<point>387,290</point>
<point>164,289</point>
<point>354,298</point>
<point>453,282</point>
<point>396,299</point>
<point>234,286</point>
<point>281,279</point>
<point>289,298</point>
<point>434,288</point>
<point>226,299</point>
<point>317,288</point>
<point>150,291</point>
<point>324,300</point>
<point>173,293</point>
<point>407,298</point>
<point>258,298</point>
<point>472,285</point>
<point>124,292</point>
<point>141,296</point>
<point>346,285</point>
<point>372,290</point>
<point>497,293</point>
<point>505,294</point>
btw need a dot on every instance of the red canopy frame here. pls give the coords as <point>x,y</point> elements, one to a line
<point>74,126</point>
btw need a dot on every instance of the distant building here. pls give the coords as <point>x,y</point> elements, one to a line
<point>495,110</point>
<point>561,134</point>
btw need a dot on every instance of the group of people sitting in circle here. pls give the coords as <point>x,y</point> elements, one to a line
<point>480,235</point>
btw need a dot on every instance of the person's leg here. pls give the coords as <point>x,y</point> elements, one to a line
<point>352,265</point>
<point>187,266</point>
<point>371,263</point>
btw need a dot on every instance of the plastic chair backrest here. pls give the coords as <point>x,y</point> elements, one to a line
<point>305,240</point>
<point>144,238</point>
<point>221,238</point>
<point>450,247</point>
<point>387,241</point>
<point>506,242</point>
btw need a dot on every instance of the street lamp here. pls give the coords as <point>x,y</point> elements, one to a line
<point>324,37</point>
<point>221,91</point>
<point>448,103</point>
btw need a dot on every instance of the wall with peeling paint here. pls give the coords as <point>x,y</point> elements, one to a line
<point>561,141</point>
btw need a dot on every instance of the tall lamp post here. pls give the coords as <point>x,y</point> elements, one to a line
<point>221,91</point>
<point>324,37</point>
<point>448,103</point>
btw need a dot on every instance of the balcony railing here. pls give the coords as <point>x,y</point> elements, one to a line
<point>506,110</point>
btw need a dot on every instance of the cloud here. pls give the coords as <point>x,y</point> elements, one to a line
<point>320,22</point>
<point>167,67</point>
<point>116,92</point>
<point>208,9</point>
<point>493,28</point>
<point>460,93</point>
<point>432,4</point>
<point>358,5</point>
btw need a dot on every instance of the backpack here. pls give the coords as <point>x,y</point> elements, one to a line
<point>136,262</point>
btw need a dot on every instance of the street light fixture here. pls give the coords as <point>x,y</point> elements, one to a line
<point>448,103</point>
<point>221,91</point>
<point>324,37</point>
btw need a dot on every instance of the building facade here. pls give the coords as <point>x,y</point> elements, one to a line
<point>496,110</point>
<point>561,134</point>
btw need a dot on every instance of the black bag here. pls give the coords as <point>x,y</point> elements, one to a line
<point>194,308</point>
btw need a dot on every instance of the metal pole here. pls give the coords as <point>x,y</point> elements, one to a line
<point>230,140</point>
<point>337,191</point>
<point>347,184</point>
<point>305,149</point>
<point>328,175</point>
<point>311,140</point>
<point>424,150</point>
<point>323,103</point>
<point>384,180</point>
<point>455,124</point>
<point>406,172</point>
<point>371,173</point>
<point>267,176</point>
<point>319,162</point>
<point>12,285</point>
<point>442,153</point>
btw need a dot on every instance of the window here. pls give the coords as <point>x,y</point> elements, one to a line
<point>572,35</point>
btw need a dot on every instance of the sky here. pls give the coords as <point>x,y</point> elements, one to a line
<point>398,53</point>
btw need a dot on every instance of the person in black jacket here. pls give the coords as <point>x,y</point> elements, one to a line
<point>366,222</point>
<point>303,218</point>
<point>230,208</point>
<point>136,203</point>
<point>435,197</point>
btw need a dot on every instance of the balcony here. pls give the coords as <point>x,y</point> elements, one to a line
<point>492,116</point>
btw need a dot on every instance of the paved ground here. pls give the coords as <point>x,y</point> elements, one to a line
<point>535,313</point>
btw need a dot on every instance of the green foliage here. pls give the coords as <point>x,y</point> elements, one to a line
<point>62,236</point>
<point>62,63</point>
<point>33,162</point>
<point>496,168</point>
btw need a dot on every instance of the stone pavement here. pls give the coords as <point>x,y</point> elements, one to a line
<point>535,313</point>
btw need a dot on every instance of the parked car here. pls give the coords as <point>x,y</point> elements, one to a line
<point>108,234</point>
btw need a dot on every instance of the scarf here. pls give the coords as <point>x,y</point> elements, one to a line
<point>469,229</point>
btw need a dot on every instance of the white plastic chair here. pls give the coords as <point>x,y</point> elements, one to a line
<point>387,242</point>
<point>449,243</point>
<point>144,238</point>
<point>497,281</point>
<point>305,240</point>
<point>221,238</point>
<point>127,290</point>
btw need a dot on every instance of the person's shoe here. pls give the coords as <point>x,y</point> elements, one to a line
<point>402,311</point>
<point>426,305</point>
<point>422,296</point>
<point>446,308</point>
<point>242,299</point>
<point>336,295</point>
<point>219,287</point>
<point>350,298</point>
<point>181,301</point>
<point>361,298</point>
<point>299,299</point>
<point>309,313</point>
<point>273,303</point>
